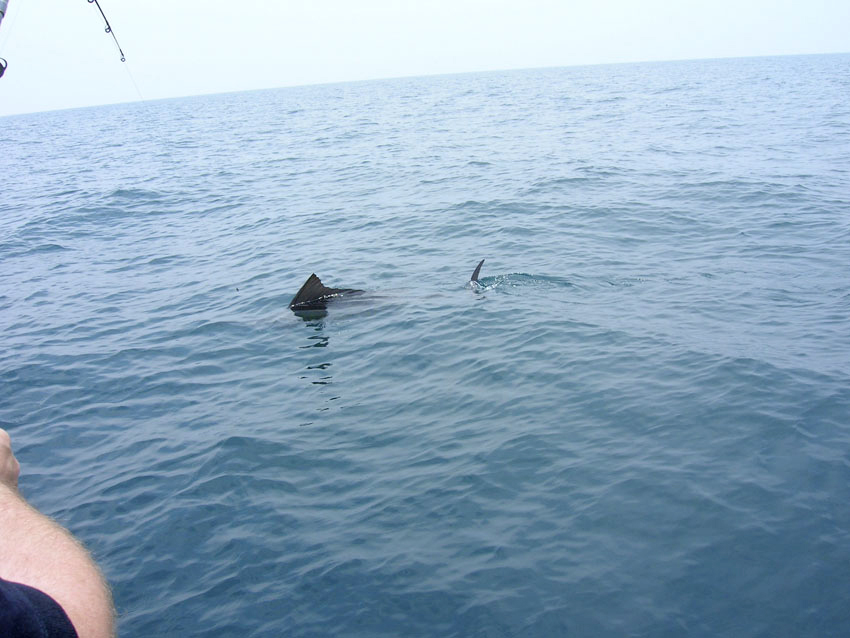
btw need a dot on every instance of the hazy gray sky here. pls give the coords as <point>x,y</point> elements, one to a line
<point>59,55</point>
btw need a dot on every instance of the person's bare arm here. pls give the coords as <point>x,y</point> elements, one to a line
<point>37,551</point>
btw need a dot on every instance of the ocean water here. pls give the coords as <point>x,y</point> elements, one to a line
<point>638,424</point>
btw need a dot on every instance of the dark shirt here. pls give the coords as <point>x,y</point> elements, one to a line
<point>26,612</point>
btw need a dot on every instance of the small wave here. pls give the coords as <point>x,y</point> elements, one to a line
<point>38,294</point>
<point>135,194</point>
<point>48,248</point>
<point>165,260</point>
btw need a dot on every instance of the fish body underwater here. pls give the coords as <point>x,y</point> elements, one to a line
<point>313,296</point>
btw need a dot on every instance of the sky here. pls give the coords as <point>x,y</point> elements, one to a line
<point>60,57</point>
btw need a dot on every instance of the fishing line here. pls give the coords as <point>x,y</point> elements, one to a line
<point>133,80</point>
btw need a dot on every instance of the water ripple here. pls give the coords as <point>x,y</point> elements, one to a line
<point>635,424</point>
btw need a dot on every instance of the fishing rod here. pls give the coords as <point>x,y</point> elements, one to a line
<point>108,26</point>
<point>112,33</point>
<point>4,4</point>
<point>3,64</point>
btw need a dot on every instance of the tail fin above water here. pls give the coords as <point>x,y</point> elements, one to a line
<point>476,271</point>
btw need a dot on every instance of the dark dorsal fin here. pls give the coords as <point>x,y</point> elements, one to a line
<point>476,271</point>
<point>312,289</point>
<point>315,292</point>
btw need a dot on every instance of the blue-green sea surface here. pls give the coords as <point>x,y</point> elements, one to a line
<point>637,424</point>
